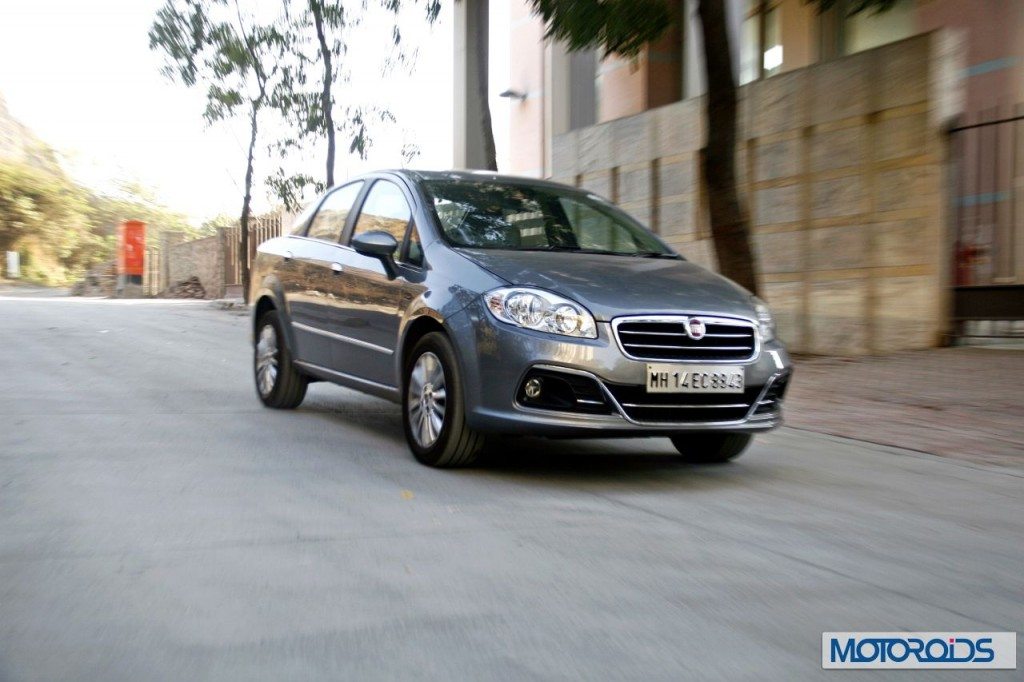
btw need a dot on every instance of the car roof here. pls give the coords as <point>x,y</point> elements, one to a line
<point>475,176</point>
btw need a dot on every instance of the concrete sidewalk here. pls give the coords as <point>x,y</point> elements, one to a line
<point>963,403</point>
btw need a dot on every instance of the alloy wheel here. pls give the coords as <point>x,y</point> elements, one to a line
<point>427,399</point>
<point>266,360</point>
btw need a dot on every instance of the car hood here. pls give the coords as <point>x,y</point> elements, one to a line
<point>610,286</point>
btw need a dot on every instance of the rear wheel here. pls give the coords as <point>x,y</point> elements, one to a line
<point>278,383</point>
<point>711,448</point>
<point>433,410</point>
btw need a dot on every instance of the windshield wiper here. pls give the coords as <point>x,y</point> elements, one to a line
<point>580,249</point>
<point>656,254</point>
<point>598,252</point>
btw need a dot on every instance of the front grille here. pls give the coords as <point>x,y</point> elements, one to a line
<point>665,339</point>
<point>683,408</point>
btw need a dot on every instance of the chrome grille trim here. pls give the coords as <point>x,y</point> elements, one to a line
<point>736,353</point>
<point>722,406</point>
<point>746,410</point>
<point>619,409</point>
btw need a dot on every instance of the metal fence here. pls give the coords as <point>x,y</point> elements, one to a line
<point>151,272</point>
<point>987,193</point>
<point>261,228</point>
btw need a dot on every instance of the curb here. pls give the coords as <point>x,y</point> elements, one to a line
<point>230,304</point>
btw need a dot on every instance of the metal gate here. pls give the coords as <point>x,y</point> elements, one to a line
<point>987,184</point>
<point>261,228</point>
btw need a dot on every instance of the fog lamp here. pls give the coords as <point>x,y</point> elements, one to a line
<point>532,388</point>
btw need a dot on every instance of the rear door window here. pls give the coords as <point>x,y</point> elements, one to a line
<point>329,221</point>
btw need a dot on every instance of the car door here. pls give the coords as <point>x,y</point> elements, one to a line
<point>316,263</point>
<point>371,303</point>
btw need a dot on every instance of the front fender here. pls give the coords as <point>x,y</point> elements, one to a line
<point>271,289</point>
<point>440,304</point>
<point>417,310</point>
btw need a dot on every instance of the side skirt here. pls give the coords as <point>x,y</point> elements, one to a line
<point>347,380</point>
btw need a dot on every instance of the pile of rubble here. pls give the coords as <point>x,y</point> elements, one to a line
<point>186,288</point>
<point>100,280</point>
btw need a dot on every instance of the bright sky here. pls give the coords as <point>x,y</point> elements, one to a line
<point>80,74</point>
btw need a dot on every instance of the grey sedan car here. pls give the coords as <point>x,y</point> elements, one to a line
<point>488,305</point>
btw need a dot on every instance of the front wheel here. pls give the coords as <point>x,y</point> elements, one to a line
<point>433,411</point>
<point>278,383</point>
<point>711,448</point>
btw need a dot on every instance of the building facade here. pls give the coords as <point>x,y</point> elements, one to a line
<point>569,91</point>
<point>854,189</point>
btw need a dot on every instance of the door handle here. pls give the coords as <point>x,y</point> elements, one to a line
<point>336,267</point>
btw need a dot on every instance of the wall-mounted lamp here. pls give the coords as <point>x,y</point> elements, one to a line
<point>514,94</point>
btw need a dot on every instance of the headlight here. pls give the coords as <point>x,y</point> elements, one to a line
<point>541,310</point>
<point>765,321</point>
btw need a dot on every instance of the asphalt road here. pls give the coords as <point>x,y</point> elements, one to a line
<point>157,523</point>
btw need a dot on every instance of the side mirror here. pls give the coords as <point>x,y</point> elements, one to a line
<point>378,244</point>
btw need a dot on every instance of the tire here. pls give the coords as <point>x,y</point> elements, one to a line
<point>435,421</point>
<point>711,448</point>
<point>278,383</point>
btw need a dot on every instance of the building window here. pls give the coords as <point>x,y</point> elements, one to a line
<point>583,82</point>
<point>869,29</point>
<point>760,39</point>
<point>749,39</point>
<point>843,33</point>
<point>771,51</point>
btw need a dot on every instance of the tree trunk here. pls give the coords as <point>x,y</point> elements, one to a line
<point>243,221</point>
<point>482,41</point>
<point>730,225</point>
<point>326,103</point>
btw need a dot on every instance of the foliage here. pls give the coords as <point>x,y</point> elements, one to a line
<point>625,26</point>
<point>315,34</point>
<point>238,57</point>
<point>210,225</point>
<point>213,43</point>
<point>410,152</point>
<point>134,201</point>
<point>855,6</point>
<point>294,190</point>
<point>617,26</point>
<point>63,228</point>
<point>49,209</point>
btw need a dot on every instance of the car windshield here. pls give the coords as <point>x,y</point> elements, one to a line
<point>494,215</point>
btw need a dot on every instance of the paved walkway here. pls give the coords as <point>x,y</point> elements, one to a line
<point>964,403</point>
<point>21,288</point>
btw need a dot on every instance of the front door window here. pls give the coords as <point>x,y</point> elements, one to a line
<point>385,208</point>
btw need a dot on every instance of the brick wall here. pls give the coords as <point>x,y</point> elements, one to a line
<point>844,168</point>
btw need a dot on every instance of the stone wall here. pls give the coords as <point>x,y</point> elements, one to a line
<point>843,167</point>
<point>202,258</point>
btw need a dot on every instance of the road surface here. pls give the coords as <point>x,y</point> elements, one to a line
<point>156,523</point>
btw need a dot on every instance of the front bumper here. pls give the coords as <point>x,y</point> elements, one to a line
<point>496,357</point>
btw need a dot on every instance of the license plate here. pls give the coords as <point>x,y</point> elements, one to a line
<point>667,378</point>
